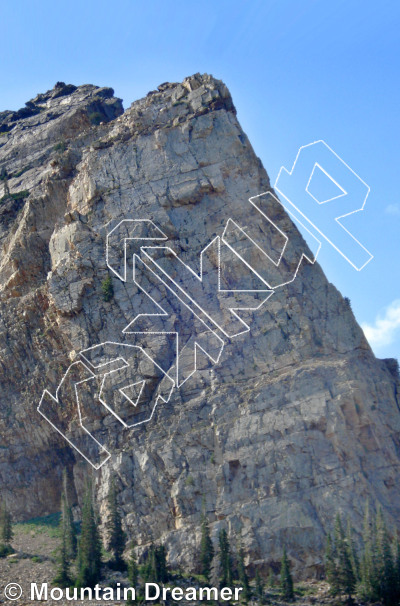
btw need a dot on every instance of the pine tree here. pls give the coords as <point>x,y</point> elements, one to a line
<point>68,530</point>
<point>68,541</point>
<point>89,557</point>
<point>206,549</point>
<point>396,562</point>
<point>369,585</point>
<point>155,568</point>
<point>160,560</point>
<point>133,570</point>
<point>107,288</point>
<point>345,573</point>
<point>67,519</point>
<point>331,571</point>
<point>63,578</point>
<point>243,578</point>
<point>286,583</point>
<point>148,569</point>
<point>225,561</point>
<point>116,538</point>
<point>271,578</point>
<point>355,563</point>
<point>259,587</point>
<point>385,565</point>
<point>6,530</point>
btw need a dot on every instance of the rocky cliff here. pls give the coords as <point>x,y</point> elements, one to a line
<point>271,429</point>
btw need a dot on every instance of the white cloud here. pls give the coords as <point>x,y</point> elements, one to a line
<point>384,330</point>
<point>393,209</point>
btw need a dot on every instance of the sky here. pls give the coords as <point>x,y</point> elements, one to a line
<point>298,72</point>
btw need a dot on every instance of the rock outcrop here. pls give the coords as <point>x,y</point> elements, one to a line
<point>296,420</point>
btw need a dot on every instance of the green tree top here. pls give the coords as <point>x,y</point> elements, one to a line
<point>243,577</point>
<point>6,530</point>
<point>206,549</point>
<point>225,561</point>
<point>286,583</point>
<point>116,538</point>
<point>89,556</point>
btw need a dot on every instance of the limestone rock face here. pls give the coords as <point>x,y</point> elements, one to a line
<point>296,420</point>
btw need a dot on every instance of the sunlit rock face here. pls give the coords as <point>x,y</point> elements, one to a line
<point>295,421</point>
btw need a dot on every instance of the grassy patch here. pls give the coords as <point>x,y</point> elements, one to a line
<point>95,118</point>
<point>20,195</point>
<point>20,172</point>
<point>61,146</point>
<point>305,590</point>
<point>43,525</point>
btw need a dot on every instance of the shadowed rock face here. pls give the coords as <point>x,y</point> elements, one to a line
<point>296,421</point>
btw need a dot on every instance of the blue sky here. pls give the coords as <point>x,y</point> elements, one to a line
<point>298,72</point>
